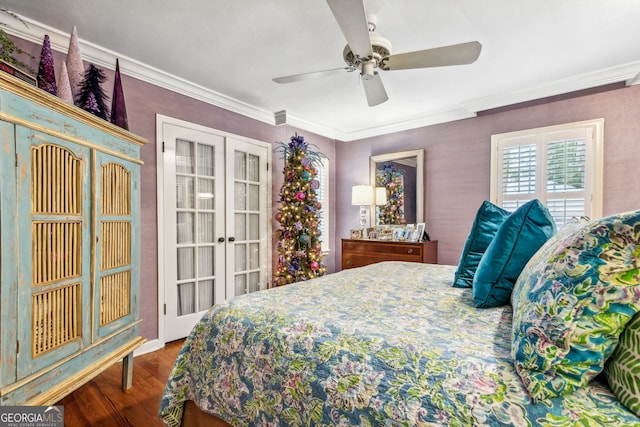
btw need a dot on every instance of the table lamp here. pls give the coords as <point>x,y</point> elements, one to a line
<point>362,195</point>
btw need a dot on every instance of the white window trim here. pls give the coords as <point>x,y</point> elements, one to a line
<point>324,165</point>
<point>594,166</point>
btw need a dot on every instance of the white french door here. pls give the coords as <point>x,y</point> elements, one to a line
<point>215,222</point>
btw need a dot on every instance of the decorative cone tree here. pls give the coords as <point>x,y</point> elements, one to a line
<point>64,86</point>
<point>299,249</point>
<point>75,66</point>
<point>91,97</point>
<point>46,74</point>
<point>118,107</point>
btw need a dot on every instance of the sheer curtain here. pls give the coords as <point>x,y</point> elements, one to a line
<point>195,177</point>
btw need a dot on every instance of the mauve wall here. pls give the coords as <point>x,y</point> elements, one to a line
<point>143,102</point>
<point>457,160</point>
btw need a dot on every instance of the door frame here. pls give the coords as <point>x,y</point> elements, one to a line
<point>160,121</point>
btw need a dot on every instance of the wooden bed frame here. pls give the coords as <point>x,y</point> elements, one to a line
<point>195,417</point>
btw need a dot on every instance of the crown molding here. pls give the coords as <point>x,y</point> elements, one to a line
<point>602,77</point>
<point>417,121</point>
<point>34,32</point>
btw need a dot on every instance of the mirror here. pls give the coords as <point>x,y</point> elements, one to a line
<point>402,175</point>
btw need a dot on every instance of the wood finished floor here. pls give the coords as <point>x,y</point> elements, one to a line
<point>102,402</point>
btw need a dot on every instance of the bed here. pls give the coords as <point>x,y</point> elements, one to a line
<point>391,343</point>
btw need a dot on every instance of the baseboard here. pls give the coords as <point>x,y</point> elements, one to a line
<point>148,347</point>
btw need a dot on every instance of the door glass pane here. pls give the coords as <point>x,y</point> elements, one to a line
<point>205,160</point>
<point>205,294</point>
<point>205,193</point>
<point>184,227</point>
<point>254,197</point>
<point>253,168</point>
<point>184,156</point>
<point>240,194</point>
<point>184,192</point>
<point>240,162</point>
<point>254,255</point>
<point>240,227</point>
<point>240,256</point>
<point>254,226</point>
<point>186,264</point>
<point>205,261</point>
<point>186,298</point>
<point>241,284</point>
<point>206,227</point>
<point>254,282</point>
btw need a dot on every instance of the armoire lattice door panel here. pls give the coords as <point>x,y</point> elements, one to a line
<point>56,187</point>
<point>117,188</point>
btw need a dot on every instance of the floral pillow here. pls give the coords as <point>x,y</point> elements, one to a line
<point>572,301</point>
<point>623,368</point>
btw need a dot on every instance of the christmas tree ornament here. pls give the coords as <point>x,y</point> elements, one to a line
<point>46,75</point>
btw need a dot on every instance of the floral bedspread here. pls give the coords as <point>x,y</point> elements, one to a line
<point>390,344</point>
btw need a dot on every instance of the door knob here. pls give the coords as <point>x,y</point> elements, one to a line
<point>232,239</point>
<point>220,239</point>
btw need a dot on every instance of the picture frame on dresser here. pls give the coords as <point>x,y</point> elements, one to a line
<point>409,231</point>
<point>356,233</point>
<point>419,231</point>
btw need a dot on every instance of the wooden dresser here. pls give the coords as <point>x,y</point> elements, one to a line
<point>360,252</point>
<point>70,230</point>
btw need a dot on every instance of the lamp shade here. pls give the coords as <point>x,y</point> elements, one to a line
<point>362,195</point>
<point>381,196</point>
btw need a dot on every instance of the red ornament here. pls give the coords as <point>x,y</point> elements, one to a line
<point>314,265</point>
<point>300,196</point>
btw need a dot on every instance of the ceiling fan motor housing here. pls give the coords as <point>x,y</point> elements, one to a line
<point>381,48</point>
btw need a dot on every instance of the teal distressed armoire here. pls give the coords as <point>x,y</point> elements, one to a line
<point>70,246</point>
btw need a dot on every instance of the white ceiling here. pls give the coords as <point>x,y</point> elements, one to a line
<point>226,52</point>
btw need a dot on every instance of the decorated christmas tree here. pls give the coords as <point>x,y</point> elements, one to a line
<point>299,249</point>
<point>392,180</point>
<point>91,97</point>
<point>46,74</point>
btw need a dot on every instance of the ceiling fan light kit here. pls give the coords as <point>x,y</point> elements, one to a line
<point>368,52</point>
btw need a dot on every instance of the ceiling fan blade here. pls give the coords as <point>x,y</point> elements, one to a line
<point>311,75</point>
<point>352,19</point>
<point>457,54</point>
<point>374,89</point>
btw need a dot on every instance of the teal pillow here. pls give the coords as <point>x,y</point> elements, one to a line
<point>622,370</point>
<point>489,218</point>
<point>517,239</point>
<point>572,301</point>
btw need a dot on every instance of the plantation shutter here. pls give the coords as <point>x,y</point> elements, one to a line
<point>566,178</point>
<point>560,165</point>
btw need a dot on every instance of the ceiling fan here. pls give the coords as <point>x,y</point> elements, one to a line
<point>369,52</point>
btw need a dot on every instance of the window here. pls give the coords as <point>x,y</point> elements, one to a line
<point>559,165</point>
<point>323,197</point>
